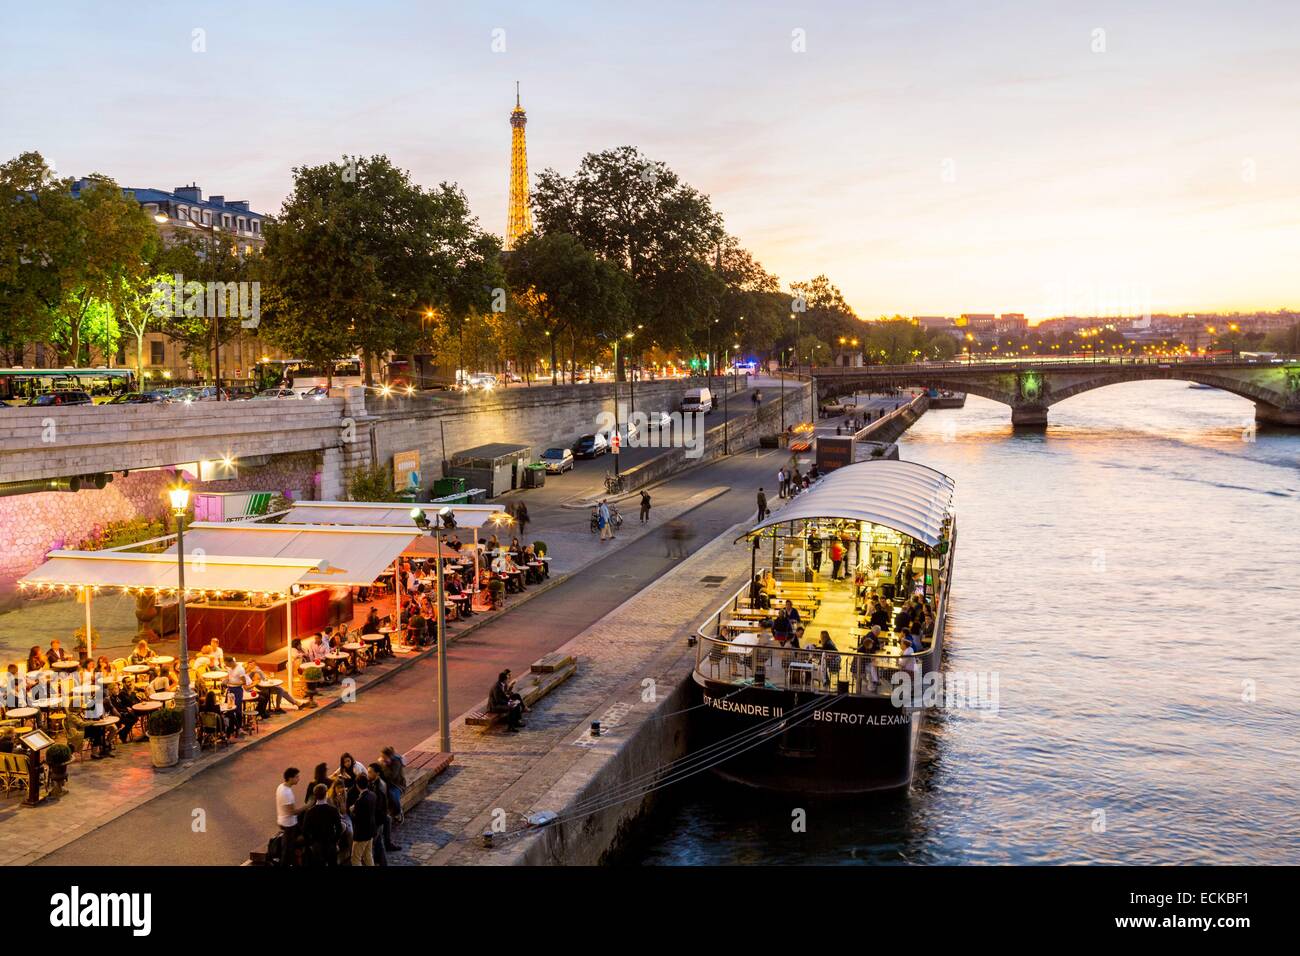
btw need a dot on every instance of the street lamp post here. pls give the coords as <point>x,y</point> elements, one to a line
<point>180,499</point>
<point>444,721</point>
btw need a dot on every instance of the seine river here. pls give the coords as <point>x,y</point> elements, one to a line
<point>1133,578</point>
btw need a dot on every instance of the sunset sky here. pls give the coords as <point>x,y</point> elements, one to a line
<point>931,158</point>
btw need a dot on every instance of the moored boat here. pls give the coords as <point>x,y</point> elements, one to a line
<point>839,714</point>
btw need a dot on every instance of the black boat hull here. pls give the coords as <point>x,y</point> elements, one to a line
<point>835,745</point>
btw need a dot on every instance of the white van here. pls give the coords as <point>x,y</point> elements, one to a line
<point>697,400</point>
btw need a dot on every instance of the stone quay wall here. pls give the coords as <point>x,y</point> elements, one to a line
<point>306,449</point>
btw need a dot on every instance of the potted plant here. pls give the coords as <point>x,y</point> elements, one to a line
<point>164,728</point>
<point>56,758</point>
<point>312,675</point>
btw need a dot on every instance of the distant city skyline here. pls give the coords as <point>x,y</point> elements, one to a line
<point>932,159</point>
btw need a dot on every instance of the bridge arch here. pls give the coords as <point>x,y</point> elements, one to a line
<point>1030,388</point>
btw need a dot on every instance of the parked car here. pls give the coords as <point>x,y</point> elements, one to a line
<point>139,398</point>
<point>279,391</point>
<point>317,392</point>
<point>697,400</point>
<point>209,394</point>
<point>590,446</point>
<point>183,394</point>
<point>482,381</point>
<point>558,460</point>
<point>61,397</point>
<point>240,393</point>
<point>658,420</point>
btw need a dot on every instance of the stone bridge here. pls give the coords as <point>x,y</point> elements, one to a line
<point>1031,387</point>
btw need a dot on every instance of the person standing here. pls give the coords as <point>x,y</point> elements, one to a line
<point>762,505</point>
<point>780,482</point>
<point>521,516</point>
<point>236,681</point>
<point>322,828</point>
<point>645,506</point>
<point>287,809</point>
<point>837,559</point>
<point>815,550</point>
<point>363,810</point>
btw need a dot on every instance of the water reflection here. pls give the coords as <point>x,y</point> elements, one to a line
<point>1130,574</point>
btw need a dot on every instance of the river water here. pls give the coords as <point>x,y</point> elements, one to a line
<point>1132,578</point>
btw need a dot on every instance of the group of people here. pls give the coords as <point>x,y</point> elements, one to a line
<point>345,817</point>
<point>791,482</point>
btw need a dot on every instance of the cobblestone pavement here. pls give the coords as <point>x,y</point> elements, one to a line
<point>501,774</point>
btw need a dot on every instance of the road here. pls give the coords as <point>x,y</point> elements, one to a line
<point>237,796</point>
<point>588,475</point>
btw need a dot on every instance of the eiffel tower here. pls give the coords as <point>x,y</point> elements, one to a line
<point>520,221</point>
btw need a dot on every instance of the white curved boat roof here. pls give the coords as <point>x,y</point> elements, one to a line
<point>906,497</point>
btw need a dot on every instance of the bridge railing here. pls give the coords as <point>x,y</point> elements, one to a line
<point>830,371</point>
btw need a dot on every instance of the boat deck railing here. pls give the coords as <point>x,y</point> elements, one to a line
<point>805,669</point>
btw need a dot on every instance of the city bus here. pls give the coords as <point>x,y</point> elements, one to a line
<point>302,376</point>
<point>19,384</point>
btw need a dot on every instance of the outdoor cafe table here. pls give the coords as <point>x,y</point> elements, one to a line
<point>164,696</point>
<point>135,669</point>
<point>376,640</point>
<point>65,665</point>
<point>21,713</point>
<point>144,709</point>
<point>214,675</point>
<point>742,625</point>
<point>162,660</point>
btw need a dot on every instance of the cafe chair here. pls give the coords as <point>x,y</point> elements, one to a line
<point>715,659</point>
<point>210,730</point>
<point>250,713</point>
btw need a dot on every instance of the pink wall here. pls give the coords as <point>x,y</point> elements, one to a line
<point>32,525</point>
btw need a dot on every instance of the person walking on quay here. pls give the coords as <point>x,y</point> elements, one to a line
<point>763,511</point>
<point>602,519</point>
<point>837,558</point>
<point>780,482</point>
<point>645,506</point>
<point>521,517</point>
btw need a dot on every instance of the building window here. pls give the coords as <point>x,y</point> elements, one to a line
<point>156,353</point>
<point>207,217</point>
<point>225,222</point>
<point>257,226</point>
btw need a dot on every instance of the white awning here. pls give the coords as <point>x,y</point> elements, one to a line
<point>207,572</point>
<point>374,514</point>
<point>351,555</point>
<point>901,495</point>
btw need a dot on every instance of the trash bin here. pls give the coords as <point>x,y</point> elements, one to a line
<point>442,487</point>
<point>534,475</point>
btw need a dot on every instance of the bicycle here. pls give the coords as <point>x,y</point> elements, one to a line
<point>614,484</point>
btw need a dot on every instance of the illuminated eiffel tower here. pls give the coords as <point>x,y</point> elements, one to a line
<point>521,216</point>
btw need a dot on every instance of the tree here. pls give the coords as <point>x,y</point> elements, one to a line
<point>360,255</point>
<point>560,283</point>
<point>637,214</point>
<point>38,226</point>
<point>205,257</point>
<point>63,255</point>
<point>821,311</point>
<point>111,242</point>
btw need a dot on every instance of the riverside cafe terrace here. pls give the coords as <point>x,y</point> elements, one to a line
<point>255,585</point>
<point>895,522</point>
